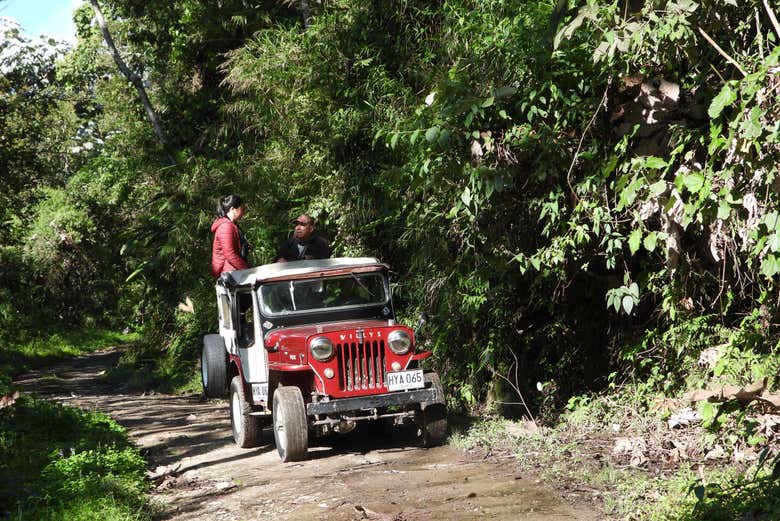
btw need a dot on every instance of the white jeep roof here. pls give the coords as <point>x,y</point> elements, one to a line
<point>252,276</point>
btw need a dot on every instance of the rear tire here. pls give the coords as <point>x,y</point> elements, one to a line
<point>213,367</point>
<point>291,429</point>
<point>247,429</point>
<point>433,414</point>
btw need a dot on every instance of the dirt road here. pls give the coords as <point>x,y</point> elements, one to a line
<point>352,477</point>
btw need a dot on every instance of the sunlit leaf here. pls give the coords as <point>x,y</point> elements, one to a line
<point>650,241</point>
<point>658,188</point>
<point>724,209</point>
<point>654,162</point>
<point>634,240</point>
<point>752,127</point>
<point>707,411</point>
<point>771,220</point>
<point>465,196</point>
<point>693,181</point>
<point>770,266</point>
<point>628,304</point>
<point>725,97</point>
<point>774,242</point>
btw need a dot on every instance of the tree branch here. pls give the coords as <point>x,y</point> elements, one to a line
<point>772,17</point>
<point>722,52</point>
<point>130,75</point>
<point>582,138</point>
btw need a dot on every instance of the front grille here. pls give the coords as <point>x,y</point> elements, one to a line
<point>361,365</point>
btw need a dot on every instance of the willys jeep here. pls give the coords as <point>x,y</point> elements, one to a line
<point>312,347</point>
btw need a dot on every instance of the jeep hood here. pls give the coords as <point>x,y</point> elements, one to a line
<point>297,335</point>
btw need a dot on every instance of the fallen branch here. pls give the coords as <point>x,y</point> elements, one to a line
<point>744,395</point>
<point>722,52</point>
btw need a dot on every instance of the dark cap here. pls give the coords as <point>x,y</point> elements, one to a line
<point>303,219</point>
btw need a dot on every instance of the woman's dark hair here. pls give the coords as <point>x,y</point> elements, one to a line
<point>228,202</point>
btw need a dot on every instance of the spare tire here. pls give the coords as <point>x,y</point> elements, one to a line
<point>213,367</point>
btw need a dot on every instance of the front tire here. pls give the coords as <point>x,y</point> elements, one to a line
<point>291,430</point>
<point>213,367</point>
<point>433,414</point>
<point>247,429</point>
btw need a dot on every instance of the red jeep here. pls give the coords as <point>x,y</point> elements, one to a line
<point>313,346</point>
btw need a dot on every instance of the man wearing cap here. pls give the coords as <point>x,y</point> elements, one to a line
<point>304,244</point>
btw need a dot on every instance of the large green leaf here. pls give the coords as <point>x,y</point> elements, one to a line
<point>772,220</point>
<point>725,97</point>
<point>654,162</point>
<point>658,188</point>
<point>650,241</point>
<point>465,196</point>
<point>774,242</point>
<point>634,240</point>
<point>628,304</point>
<point>724,209</point>
<point>770,266</point>
<point>752,127</point>
<point>693,181</point>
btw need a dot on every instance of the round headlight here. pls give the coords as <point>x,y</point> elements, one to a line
<point>321,348</point>
<point>399,341</point>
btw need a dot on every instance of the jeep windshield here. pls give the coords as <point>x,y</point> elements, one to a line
<point>323,294</point>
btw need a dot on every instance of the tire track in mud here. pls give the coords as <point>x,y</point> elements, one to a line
<point>365,475</point>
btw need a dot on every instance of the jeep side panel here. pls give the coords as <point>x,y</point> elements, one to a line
<point>227,318</point>
<point>254,358</point>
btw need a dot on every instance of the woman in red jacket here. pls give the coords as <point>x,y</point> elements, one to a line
<point>230,249</point>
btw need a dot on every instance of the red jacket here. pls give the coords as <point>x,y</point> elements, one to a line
<point>227,245</point>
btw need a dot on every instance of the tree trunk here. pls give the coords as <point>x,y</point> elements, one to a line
<point>130,75</point>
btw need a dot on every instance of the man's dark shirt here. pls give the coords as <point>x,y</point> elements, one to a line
<point>315,248</point>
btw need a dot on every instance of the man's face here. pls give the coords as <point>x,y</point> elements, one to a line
<point>303,229</point>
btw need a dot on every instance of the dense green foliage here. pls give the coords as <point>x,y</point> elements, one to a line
<point>581,195</point>
<point>561,191</point>
<point>57,462</point>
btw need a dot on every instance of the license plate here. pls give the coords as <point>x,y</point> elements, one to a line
<point>260,392</point>
<point>402,380</point>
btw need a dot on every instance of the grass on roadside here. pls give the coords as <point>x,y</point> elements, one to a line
<point>62,463</point>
